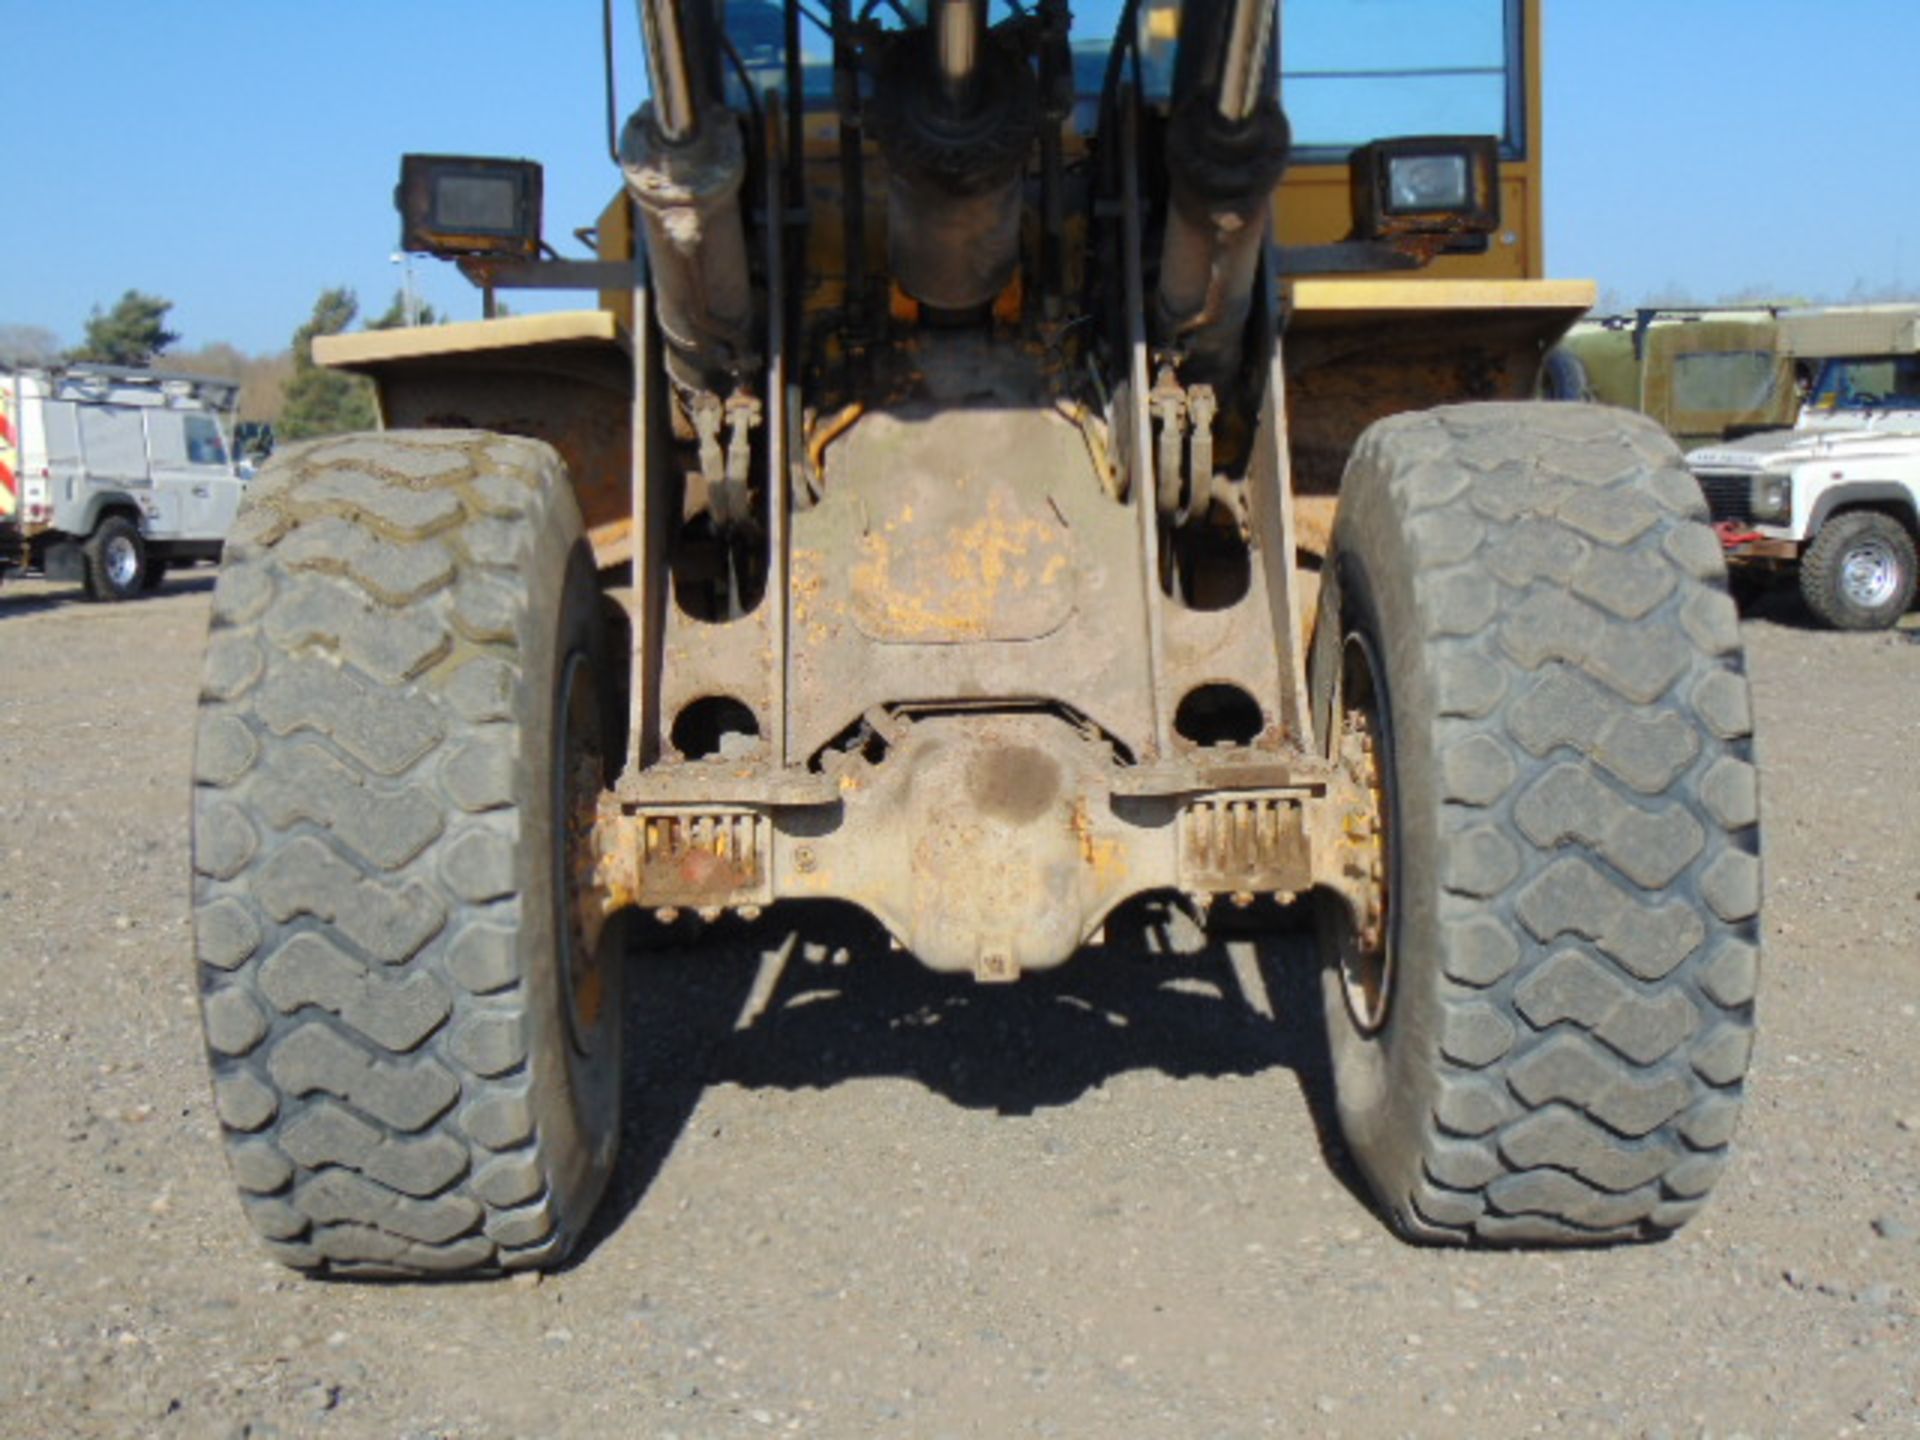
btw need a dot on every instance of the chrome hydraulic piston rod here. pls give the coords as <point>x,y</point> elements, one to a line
<point>684,162</point>
<point>675,112</point>
<point>957,30</point>
<point>956,110</point>
<point>1243,68</point>
<point>1226,149</point>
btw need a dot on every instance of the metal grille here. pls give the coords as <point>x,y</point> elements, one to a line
<point>1243,842</point>
<point>1729,497</point>
<point>704,857</point>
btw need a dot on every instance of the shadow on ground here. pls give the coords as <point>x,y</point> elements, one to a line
<point>40,597</point>
<point>1776,600</point>
<point>813,997</point>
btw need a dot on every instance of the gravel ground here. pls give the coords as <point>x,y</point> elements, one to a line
<point>861,1200</point>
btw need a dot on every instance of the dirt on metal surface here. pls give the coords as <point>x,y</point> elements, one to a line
<point>860,1199</point>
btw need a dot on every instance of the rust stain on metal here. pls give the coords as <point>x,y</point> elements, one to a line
<point>1102,856</point>
<point>694,859</point>
<point>827,432</point>
<point>996,967</point>
<point>805,580</point>
<point>593,901</point>
<point>1008,304</point>
<point>915,582</point>
<point>612,542</point>
<point>1243,843</point>
<point>1358,851</point>
<point>698,855</point>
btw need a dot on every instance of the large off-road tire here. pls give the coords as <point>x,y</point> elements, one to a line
<point>115,558</point>
<point>1858,574</point>
<point>1526,606</point>
<point>403,730</point>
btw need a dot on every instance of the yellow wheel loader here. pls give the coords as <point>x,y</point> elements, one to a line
<point>1013,466</point>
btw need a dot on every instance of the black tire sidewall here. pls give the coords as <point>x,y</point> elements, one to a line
<point>1386,1082</point>
<point>1571,1015</point>
<point>576,1097</point>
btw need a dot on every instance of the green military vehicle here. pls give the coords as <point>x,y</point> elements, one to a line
<point>1705,375</point>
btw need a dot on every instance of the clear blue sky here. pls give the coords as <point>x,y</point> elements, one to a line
<point>238,156</point>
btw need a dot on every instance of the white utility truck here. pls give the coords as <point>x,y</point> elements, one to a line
<point>1837,497</point>
<point>118,474</point>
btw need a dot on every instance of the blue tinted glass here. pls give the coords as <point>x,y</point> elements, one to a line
<point>1353,70</point>
<point>1393,35</point>
<point>758,31</point>
<point>1360,70</point>
<point>1348,110</point>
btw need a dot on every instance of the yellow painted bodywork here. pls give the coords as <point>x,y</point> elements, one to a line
<point>1360,348</point>
<point>1357,347</point>
<point>1313,206</point>
<point>367,350</point>
<point>1466,327</point>
<point>1370,296</point>
<point>565,378</point>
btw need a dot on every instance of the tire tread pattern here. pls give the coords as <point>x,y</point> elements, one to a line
<point>365,1023</point>
<point>1599,914</point>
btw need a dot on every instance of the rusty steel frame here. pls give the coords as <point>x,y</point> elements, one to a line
<point>1000,805</point>
<point>1140,449</point>
<point>980,747</point>
<point>778,468</point>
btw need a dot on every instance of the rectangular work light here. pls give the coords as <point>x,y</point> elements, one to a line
<point>1426,185</point>
<point>452,205</point>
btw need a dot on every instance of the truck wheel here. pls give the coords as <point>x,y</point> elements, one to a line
<point>116,558</point>
<point>1563,377</point>
<point>1858,573</point>
<point>1526,647</point>
<point>412,1015</point>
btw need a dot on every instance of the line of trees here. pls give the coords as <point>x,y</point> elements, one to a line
<point>286,390</point>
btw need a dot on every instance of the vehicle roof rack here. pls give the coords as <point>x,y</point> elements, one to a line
<point>1851,331</point>
<point>86,380</point>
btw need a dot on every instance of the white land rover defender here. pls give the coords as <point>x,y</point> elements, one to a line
<point>1838,496</point>
<point>119,473</point>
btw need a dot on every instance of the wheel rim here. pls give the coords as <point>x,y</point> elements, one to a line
<point>579,781</point>
<point>1367,960</point>
<point>122,561</point>
<point>1870,574</point>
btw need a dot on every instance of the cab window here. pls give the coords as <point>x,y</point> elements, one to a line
<point>205,445</point>
<point>1353,71</point>
<point>1359,70</point>
<point>1881,383</point>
